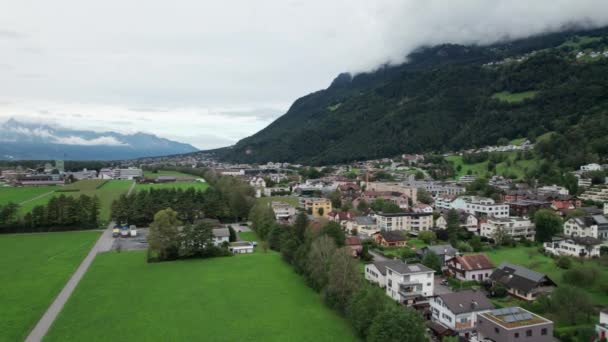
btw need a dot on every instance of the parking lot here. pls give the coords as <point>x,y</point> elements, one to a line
<point>135,243</point>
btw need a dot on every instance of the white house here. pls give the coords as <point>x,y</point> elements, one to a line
<point>241,247</point>
<point>422,208</point>
<point>591,167</point>
<point>458,310</point>
<point>518,228</point>
<point>365,225</point>
<point>412,222</point>
<point>602,327</point>
<point>470,267</point>
<point>585,247</point>
<point>480,206</point>
<point>221,235</point>
<point>548,189</point>
<point>376,273</point>
<point>595,226</point>
<point>282,211</point>
<point>444,202</point>
<point>406,283</point>
<point>469,221</point>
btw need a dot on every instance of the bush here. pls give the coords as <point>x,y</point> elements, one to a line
<point>581,276</point>
<point>427,236</point>
<point>563,262</point>
<point>464,247</point>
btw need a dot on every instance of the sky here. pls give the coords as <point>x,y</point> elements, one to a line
<point>209,72</point>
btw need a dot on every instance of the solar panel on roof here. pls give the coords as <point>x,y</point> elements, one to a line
<point>526,316</point>
<point>415,268</point>
<point>509,319</point>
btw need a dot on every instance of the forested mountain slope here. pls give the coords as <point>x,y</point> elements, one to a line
<point>444,98</point>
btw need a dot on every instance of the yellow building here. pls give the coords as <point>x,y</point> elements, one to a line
<point>318,207</point>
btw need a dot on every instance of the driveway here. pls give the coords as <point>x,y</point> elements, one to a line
<point>440,289</point>
<point>103,244</point>
<point>378,257</point>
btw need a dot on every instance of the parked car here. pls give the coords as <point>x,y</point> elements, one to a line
<point>115,232</point>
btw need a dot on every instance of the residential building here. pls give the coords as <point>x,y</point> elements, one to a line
<point>595,226</point>
<point>282,211</point>
<point>365,225</point>
<point>513,324</point>
<point>602,327</point>
<point>411,192</point>
<point>354,242</point>
<point>523,207</point>
<point>470,267</point>
<point>467,179</point>
<point>341,217</point>
<point>518,228</point>
<point>394,238</point>
<point>468,221</point>
<point>444,252</point>
<point>591,167</point>
<point>444,202</point>
<point>318,207</point>
<point>521,282</point>
<point>411,222</point>
<point>596,193</point>
<point>221,235</point>
<point>582,247</point>
<point>241,247</point>
<point>375,273</point>
<point>127,174</point>
<point>398,198</point>
<point>458,310</point>
<point>407,283</point>
<point>275,191</point>
<point>548,189</point>
<point>422,208</point>
<point>480,206</point>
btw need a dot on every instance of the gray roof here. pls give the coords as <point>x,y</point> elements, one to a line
<point>439,250</point>
<point>403,268</point>
<point>523,272</point>
<point>364,220</point>
<point>221,232</point>
<point>466,301</point>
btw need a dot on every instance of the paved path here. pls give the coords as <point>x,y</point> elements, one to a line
<point>131,189</point>
<point>378,257</point>
<point>103,244</point>
<point>37,197</point>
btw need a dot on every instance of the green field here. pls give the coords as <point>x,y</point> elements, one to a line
<point>254,297</point>
<point>152,175</point>
<point>18,195</point>
<point>509,97</point>
<point>107,193</point>
<point>514,167</point>
<point>287,199</point>
<point>33,269</point>
<point>176,185</point>
<point>531,258</point>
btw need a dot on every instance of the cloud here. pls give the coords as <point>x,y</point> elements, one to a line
<point>7,34</point>
<point>75,140</point>
<point>50,137</point>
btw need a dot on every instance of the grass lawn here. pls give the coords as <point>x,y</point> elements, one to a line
<point>33,269</point>
<point>518,168</point>
<point>151,175</point>
<point>509,97</point>
<point>176,185</point>
<point>248,236</point>
<point>253,297</point>
<point>530,257</point>
<point>18,195</point>
<point>287,199</point>
<point>107,193</point>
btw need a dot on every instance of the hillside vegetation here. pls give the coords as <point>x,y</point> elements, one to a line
<point>446,98</point>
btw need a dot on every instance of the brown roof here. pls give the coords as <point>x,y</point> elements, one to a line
<point>392,236</point>
<point>473,262</point>
<point>352,241</point>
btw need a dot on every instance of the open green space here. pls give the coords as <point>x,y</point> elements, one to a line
<point>509,97</point>
<point>33,269</point>
<point>174,185</point>
<point>176,174</point>
<point>577,41</point>
<point>109,191</point>
<point>253,297</point>
<point>510,166</point>
<point>531,258</point>
<point>286,199</point>
<point>248,236</point>
<point>21,194</point>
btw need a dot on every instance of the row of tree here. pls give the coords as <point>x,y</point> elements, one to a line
<point>60,213</point>
<point>329,267</point>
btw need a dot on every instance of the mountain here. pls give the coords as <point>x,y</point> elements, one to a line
<point>444,98</point>
<point>21,141</point>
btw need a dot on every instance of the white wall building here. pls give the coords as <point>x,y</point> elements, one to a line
<point>480,206</point>
<point>458,310</point>
<point>282,210</point>
<point>221,235</point>
<point>591,167</point>
<point>127,174</point>
<point>411,222</point>
<point>406,282</point>
<point>518,228</point>
<point>595,226</point>
<point>587,247</point>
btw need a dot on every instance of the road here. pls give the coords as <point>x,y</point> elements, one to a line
<point>131,189</point>
<point>37,197</point>
<point>103,244</point>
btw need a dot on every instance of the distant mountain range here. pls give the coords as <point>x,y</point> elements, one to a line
<point>27,141</point>
<point>446,98</point>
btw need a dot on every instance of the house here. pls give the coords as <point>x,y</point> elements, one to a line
<point>221,235</point>
<point>444,252</point>
<point>551,189</point>
<point>595,226</point>
<point>318,207</point>
<point>365,225</point>
<point>397,198</point>
<point>521,282</point>
<point>390,238</point>
<point>479,206</point>
<point>375,273</point>
<point>422,208</point>
<point>513,324</point>
<point>409,191</point>
<point>470,267</point>
<point>597,193</point>
<point>241,247</point>
<point>517,228</point>
<point>408,283</point>
<point>444,202</point>
<point>282,211</point>
<point>524,207</point>
<point>410,221</point>
<point>601,328</point>
<point>340,216</point>
<point>468,221</point>
<point>582,247</point>
<point>591,167</point>
<point>458,310</point>
<point>165,179</point>
<point>355,245</point>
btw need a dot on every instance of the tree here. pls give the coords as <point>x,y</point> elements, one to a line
<point>275,237</point>
<point>564,298</point>
<point>300,226</point>
<point>232,237</point>
<point>427,236</point>
<point>336,199</point>
<point>563,262</point>
<point>321,211</point>
<point>319,260</point>
<point>364,305</point>
<point>547,225</point>
<point>363,206</point>
<point>195,240</point>
<point>424,196</point>
<point>464,247</point>
<point>498,290</point>
<point>344,279</point>
<point>390,208</point>
<point>334,230</point>
<point>453,224</point>
<point>419,175</point>
<point>433,261</point>
<point>397,324</point>
<point>476,244</point>
<point>163,237</point>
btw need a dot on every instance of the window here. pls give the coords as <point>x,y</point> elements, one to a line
<point>496,330</point>
<point>390,283</point>
<point>543,331</point>
<point>516,335</point>
<point>528,333</point>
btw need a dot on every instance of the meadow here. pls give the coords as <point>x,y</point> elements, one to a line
<point>509,97</point>
<point>33,269</point>
<point>176,174</point>
<point>517,168</point>
<point>254,297</point>
<point>175,185</point>
<point>286,199</point>
<point>21,194</point>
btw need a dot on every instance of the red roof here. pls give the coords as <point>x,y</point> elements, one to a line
<point>352,241</point>
<point>474,262</point>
